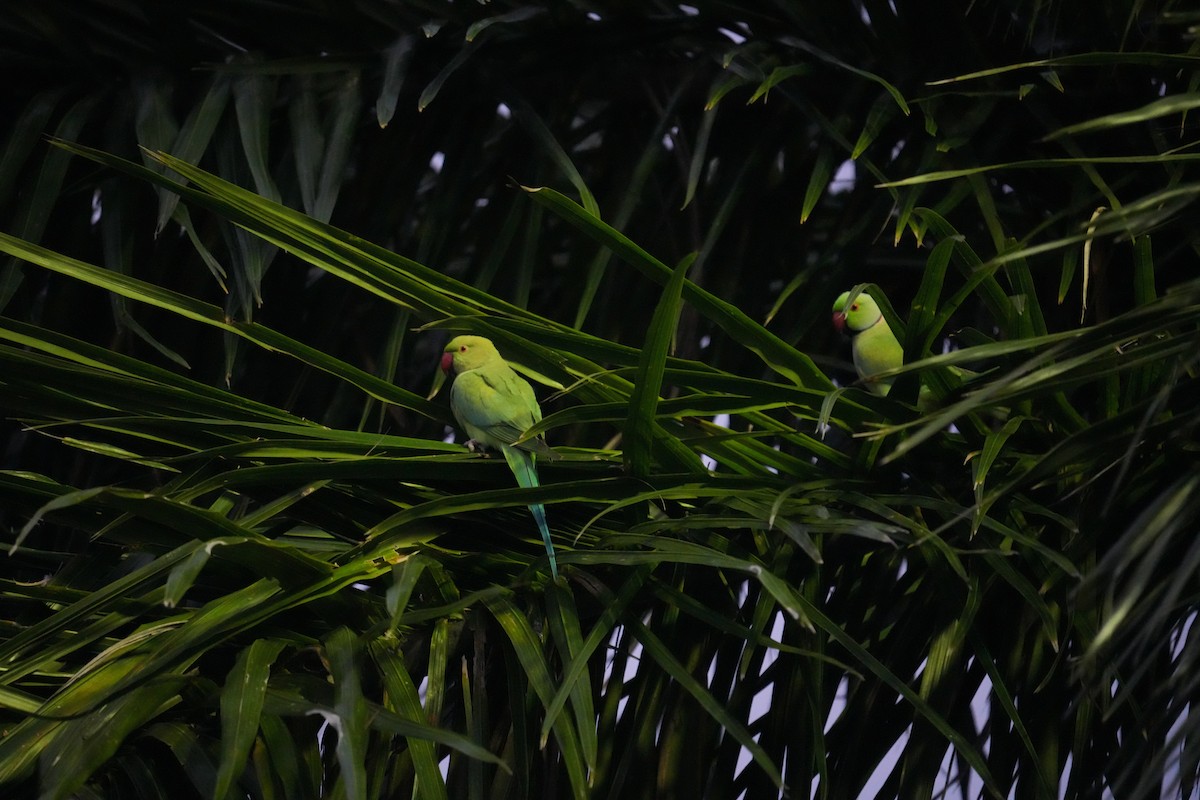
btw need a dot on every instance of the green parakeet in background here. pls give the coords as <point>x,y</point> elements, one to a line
<point>496,406</point>
<point>876,349</point>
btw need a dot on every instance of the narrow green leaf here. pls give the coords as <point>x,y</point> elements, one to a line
<point>945,654</point>
<point>253,97</point>
<point>284,755</point>
<point>656,649</point>
<point>402,698</point>
<point>564,621</point>
<point>879,115</point>
<point>241,706</point>
<point>528,649</point>
<point>1004,696</point>
<point>340,141</point>
<point>184,219</point>
<point>824,55</point>
<point>36,205</point>
<point>81,746</point>
<point>435,85</point>
<point>818,182</point>
<point>725,84</point>
<point>799,534</point>
<point>395,69</point>
<point>439,657</point>
<point>1033,323</point>
<point>1105,59</point>
<point>921,330</point>
<point>63,501</point>
<point>639,425</point>
<point>576,670</point>
<point>209,315</point>
<point>185,745</point>
<point>1037,163</point>
<point>776,353</point>
<point>529,119</point>
<point>652,155</point>
<point>404,579</point>
<point>394,724</point>
<point>154,122</point>
<point>777,76</point>
<point>993,447</point>
<point>183,576</point>
<point>350,718</point>
<point>517,15</point>
<point>16,700</point>
<point>193,139</point>
<point>309,141</point>
<point>960,743</point>
<point>24,133</point>
<point>699,155</point>
<point>118,257</point>
<point>1030,594</point>
<point>1143,271</point>
<point>1163,106</point>
<point>380,719</point>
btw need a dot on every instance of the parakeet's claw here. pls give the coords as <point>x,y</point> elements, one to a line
<point>474,446</point>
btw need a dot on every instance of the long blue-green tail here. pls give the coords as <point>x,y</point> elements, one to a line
<point>521,463</point>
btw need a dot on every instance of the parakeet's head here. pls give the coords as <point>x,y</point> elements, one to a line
<point>467,352</point>
<point>862,313</point>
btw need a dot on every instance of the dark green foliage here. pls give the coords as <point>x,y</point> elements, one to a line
<point>244,563</point>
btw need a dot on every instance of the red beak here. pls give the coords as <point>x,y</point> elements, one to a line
<point>839,320</point>
<point>447,361</point>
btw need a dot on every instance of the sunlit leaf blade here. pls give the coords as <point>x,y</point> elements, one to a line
<point>1040,163</point>
<point>1080,59</point>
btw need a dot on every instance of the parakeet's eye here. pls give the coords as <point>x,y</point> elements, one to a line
<point>462,349</point>
<point>854,307</point>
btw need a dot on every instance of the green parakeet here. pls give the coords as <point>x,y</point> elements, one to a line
<point>496,406</point>
<point>874,346</point>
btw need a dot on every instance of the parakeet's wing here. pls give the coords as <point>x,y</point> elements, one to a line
<point>488,408</point>
<point>529,402</point>
<point>877,350</point>
<point>497,406</point>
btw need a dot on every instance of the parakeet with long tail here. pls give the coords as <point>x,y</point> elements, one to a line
<point>496,406</point>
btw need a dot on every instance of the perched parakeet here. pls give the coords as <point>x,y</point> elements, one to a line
<point>875,347</point>
<point>496,406</point>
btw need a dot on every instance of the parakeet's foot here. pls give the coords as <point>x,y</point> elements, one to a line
<point>476,447</point>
